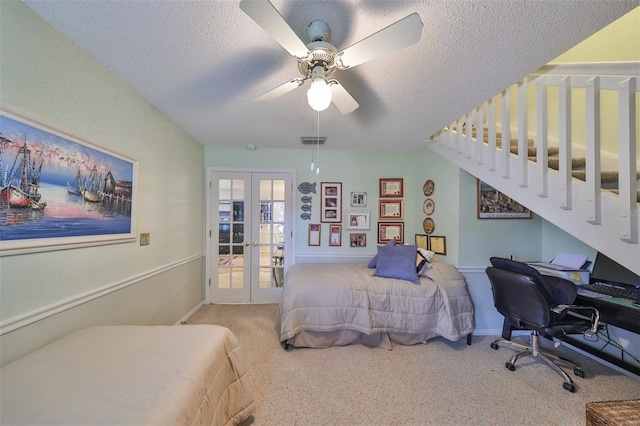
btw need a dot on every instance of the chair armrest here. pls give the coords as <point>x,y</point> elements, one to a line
<point>595,316</point>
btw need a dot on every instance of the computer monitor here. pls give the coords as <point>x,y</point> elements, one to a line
<point>607,270</point>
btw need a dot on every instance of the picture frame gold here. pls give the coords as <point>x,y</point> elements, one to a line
<point>422,241</point>
<point>429,206</point>
<point>438,244</point>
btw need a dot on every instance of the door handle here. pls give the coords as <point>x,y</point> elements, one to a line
<point>255,243</point>
<point>247,243</point>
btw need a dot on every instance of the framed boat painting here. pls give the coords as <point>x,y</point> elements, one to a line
<point>60,192</point>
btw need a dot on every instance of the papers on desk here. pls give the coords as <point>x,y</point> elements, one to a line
<point>565,265</point>
<point>570,261</point>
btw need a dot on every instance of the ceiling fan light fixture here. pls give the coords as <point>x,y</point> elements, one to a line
<point>319,94</point>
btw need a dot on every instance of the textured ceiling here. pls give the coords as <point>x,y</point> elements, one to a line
<point>202,63</point>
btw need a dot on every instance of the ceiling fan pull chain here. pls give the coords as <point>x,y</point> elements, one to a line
<point>318,144</point>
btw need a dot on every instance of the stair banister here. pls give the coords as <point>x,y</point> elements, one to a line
<point>592,150</point>
<point>606,221</point>
<point>626,158</point>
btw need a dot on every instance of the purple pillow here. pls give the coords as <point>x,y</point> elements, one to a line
<point>397,262</point>
<point>373,262</point>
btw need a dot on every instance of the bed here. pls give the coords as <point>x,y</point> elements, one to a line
<point>130,375</point>
<point>338,304</point>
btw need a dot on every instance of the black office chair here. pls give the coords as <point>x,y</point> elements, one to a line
<point>542,304</point>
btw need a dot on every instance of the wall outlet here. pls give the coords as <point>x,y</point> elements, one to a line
<point>145,239</point>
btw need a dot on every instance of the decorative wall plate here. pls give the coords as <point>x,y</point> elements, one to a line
<point>428,187</point>
<point>428,225</point>
<point>428,206</point>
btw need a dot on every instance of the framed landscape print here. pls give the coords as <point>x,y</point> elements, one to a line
<point>390,230</point>
<point>493,204</point>
<point>58,191</point>
<point>331,202</point>
<point>391,188</point>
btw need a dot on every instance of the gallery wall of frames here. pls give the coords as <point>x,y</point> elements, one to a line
<point>383,211</point>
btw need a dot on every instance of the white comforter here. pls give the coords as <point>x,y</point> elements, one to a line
<point>130,375</point>
<point>346,296</point>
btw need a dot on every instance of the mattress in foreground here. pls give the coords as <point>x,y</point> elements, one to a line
<point>130,375</point>
<point>343,303</point>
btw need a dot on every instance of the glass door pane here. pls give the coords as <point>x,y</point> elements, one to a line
<point>230,271</point>
<point>271,243</point>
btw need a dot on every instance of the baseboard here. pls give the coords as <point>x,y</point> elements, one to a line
<point>332,258</point>
<point>188,314</point>
<point>39,314</point>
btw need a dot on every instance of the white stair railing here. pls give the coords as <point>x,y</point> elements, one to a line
<point>561,106</point>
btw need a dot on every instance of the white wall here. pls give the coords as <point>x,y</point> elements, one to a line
<point>47,77</point>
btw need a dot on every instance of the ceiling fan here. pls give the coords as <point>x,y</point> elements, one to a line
<point>319,59</point>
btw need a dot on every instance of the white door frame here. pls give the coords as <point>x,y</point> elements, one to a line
<point>290,248</point>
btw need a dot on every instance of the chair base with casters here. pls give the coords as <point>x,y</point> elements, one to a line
<point>542,305</point>
<point>534,350</point>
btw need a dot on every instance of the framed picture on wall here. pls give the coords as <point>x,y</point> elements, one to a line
<point>358,240</point>
<point>60,192</point>
<point>391,188</point>
<point>390,209</point>
<point>438,245</point>
<point>390,230</point>
<point>492,204</point>
<point>335,235</point>
<point>331,202</point>
<point>314,234</point>
<point>357,219</point>
<point>358,199</point>
<point>422,241</point>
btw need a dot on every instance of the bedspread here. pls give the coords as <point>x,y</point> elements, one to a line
<point>130,375</point>
<point>346,296</point>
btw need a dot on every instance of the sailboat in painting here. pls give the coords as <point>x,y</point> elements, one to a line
<point>76,187</point>
<point>21,190</point>
<point>91,190</point>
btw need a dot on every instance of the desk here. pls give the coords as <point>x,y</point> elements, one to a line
<point>614,314</point>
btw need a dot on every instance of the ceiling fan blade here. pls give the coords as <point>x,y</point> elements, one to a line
<point>280,90</point>
<point>268,17</point>
<point>396,36</point>
<point>341,98</point>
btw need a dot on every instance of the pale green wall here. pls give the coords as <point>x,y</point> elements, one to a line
<point>46,76</point>
<point>359,171</point>
<point>470,241</point>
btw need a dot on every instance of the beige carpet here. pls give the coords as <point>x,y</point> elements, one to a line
<point>438,383</point>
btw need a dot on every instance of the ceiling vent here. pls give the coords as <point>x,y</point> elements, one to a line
<point>313,140</point>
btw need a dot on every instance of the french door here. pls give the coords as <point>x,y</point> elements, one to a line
<point>250,235</point>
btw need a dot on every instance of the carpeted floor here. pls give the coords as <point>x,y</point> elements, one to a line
<point>438,383</point>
